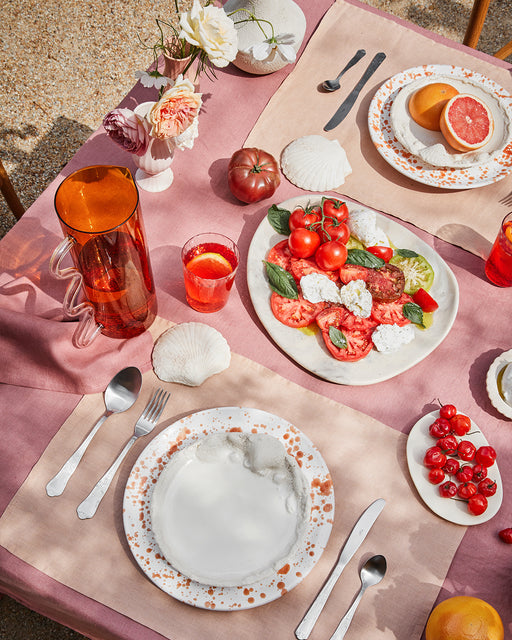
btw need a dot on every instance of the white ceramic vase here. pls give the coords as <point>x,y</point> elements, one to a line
<point>154,171</point>
<point>286,17</point>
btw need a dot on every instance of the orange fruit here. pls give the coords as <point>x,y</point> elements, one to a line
<point>427,103</point>
<point>466,123</point>
<point>209,265</point>
<point>464,618</point>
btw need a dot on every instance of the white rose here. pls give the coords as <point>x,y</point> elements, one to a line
<point>211,29</point>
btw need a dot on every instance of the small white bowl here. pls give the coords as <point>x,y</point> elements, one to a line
<point>492,383</point>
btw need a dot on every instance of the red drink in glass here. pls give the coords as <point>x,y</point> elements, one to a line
<point>498,267</point>
<point>210,261</point>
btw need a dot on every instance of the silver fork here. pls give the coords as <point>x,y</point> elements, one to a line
<point>507,200</point>
<point>145,424</point>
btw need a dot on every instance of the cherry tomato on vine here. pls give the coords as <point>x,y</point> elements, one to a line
<point>448,489</point>
<point>435,476</point>
<point>335,209</point>
<point>460,424</point>
<point>301,218</point>
<point>466,450</point>
<point>466,490</point>
<point>386,253</point>
<point>452,466</point>
<point>485,456</point>
<point>464,474</point>
<point>448,444</point>
<point>487,487</point>
<point>303,243</point>
<point>439,428</point>
<point>447,411</point>
<point>477,504</point>
<point>334,230</point>
<point>331,255</point>
<point>434,458</point>
<point>506,535</point>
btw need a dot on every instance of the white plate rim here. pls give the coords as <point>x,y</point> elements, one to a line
<point>309,350</point>
<point>379,126</point>
<point>492,386</point>
<point>150,463</point>
<point>418,441</point>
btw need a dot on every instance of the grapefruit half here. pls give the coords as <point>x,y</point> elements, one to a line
<point>466,122</point>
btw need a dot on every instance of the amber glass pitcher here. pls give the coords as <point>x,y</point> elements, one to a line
<point>99,212</point>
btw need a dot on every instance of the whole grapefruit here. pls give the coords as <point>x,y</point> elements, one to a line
<point>427,103</point>
<point>464,618</point>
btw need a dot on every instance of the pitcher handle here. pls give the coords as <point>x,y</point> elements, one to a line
<point>87,328</point>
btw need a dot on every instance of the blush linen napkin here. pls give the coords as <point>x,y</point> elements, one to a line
<point>468,218</point>
<point>366,460</point>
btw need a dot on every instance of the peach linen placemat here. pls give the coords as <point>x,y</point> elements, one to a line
<point>366,460</point>
<point>468,218</point>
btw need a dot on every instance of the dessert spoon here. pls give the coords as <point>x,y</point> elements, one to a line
<point>334,85</point>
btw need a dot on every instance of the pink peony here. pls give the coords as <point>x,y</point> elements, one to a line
<point>127,130</point>
<point>175,111</point>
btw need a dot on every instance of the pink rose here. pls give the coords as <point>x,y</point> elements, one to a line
<point>175,111</point>
<point>127,130</point>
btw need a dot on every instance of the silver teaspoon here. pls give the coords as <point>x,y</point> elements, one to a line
<point>120,394</point>
<point>371,574</point>
<point>334,85</point>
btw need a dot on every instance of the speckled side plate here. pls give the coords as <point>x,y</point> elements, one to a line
<point>410,165</point>
<point>151,462</point>
<point>493,374</point>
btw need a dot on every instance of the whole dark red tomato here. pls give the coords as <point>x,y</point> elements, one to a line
<point>434,458</point>
<point>334,230</point>
<point>466,450</point>
<point>435,476</point>
<point>301,218</point>
<point>439,428</point>
<point>477,504</point>
<point>447,411</point>
<point>448,489</point>
<point>303,243</point>
<point>452,466</point>
<point>460,424</point>
<point>335,209</point>
<point>331,255</point>
<point>253,175</point>
<point>386,253</point>
<point>487,487</point>
<point>506,535</point>
<point>485,456</point>
<point>466,490</point>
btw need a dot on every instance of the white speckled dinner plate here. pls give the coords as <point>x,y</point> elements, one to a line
<point>176,437</point>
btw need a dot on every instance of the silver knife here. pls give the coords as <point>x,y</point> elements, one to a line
<point>356,537</point>
<point>348,103</point>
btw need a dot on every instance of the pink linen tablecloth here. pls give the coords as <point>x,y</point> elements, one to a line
<point>199,200</point>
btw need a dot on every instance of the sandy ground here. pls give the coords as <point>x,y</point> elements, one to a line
<point>66,64</point>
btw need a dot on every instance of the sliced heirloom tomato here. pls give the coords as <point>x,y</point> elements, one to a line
<point>300,267</point>
<point>386,253</point>
<point>294,312</point>
<point>425,300</point>
<point>342,317</point>
<point>386,283</point>
<point>359,345</point>
<point>391,312</point>
<point>280,254</point>
<point>349,272</point>
<point>417,270</point>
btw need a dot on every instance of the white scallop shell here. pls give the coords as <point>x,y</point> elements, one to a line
<point>315,163</point>
<point>189,353</point>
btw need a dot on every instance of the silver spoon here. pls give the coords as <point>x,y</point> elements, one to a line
<point>371,574</point>
<point>334,85</point>
<point>120,394</point>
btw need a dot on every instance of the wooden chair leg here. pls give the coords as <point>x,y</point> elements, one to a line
<point>504,52</point>
<point>476,22</point>
<point>10,194</point>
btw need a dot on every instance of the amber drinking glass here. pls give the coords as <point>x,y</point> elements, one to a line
<point>498,267</point>
<point>210,261</point>
<point>99,212</point>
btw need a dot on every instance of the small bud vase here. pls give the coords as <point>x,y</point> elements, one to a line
<point>154,171</point>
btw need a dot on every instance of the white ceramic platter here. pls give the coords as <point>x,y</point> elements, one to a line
<point>176,437</point>
<point>454,510</point>
<point>494,373</point>
<point>308,349</point>
<point>411,165</point>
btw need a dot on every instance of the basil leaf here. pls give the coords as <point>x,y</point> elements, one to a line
<point>407,253</point>
<point>337,337</point>
<point>413,312</point>
<point>364,259</point>
<point>281,281</point>
<point>279,219</point>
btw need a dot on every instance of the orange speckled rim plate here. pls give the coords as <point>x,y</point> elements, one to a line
<point>151,462</point>
<point>410,165</point>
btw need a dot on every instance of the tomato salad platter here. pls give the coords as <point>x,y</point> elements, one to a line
<point>334,339</point>
<point>455,470</point>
